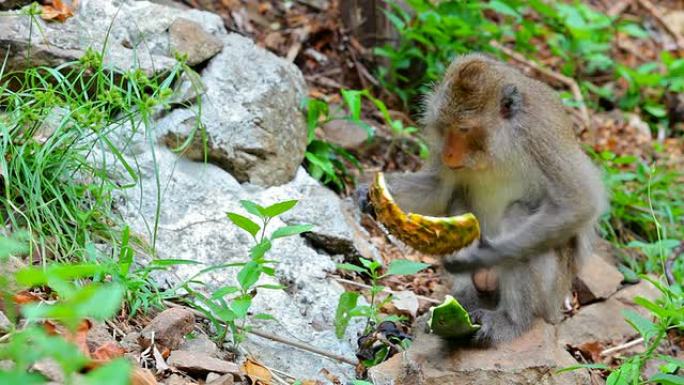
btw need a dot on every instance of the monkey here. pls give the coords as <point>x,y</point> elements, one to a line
<point>504,148</point>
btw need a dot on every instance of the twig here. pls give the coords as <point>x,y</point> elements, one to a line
<point>569,82</point>
<point>655,12</point>
<point>386,290</point>
<point>296,344</point>
<point>626,345</point>
<point>618,8</point>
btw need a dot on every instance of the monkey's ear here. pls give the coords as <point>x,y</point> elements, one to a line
<point>511,101</point>
<point>471,75</point>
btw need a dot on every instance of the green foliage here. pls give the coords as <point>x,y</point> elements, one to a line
<point>347,307</point>
<point>325,161</point>
<point>75,301</point>
<point>581,37</point>
<point>55,126</point>
<point>228,306</point>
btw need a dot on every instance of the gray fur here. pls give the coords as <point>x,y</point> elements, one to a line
<point>537,199</point>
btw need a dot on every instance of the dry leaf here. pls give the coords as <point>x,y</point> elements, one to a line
<point>141,376</point>
<point>107,351</point>
<point>58,10</point>
<point>256,372</point>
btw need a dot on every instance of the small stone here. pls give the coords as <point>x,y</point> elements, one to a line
<point>597,279</point>
<point>200,363</point>
<point>130,342</point>
<point>226,379</point>
<point>169,328</point>
<point>50,369</point>
<point>200,344</point>
<point>188,37</point>
<point>176,379</point>
<point>345,134</point>
<point>5,323</point>
<point>98,335</point>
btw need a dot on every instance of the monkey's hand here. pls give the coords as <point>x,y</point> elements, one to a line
<point>480,253</point>
<point>362,198</point>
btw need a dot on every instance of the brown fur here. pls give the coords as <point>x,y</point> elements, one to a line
<point>536,194</point>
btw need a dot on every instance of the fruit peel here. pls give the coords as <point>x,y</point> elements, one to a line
<point>427,234</point>
<point>451,320</point>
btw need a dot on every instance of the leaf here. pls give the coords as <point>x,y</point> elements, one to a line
<point>264,316</point>
<point>244,223</point>
<point>222,292</point>
<point>350,267</point>
<point>253,208</point>
<point>406,301</point>
<point>405,267</point>
<point>256,372</point>
<point>279,208</point>
<point>645,327</point>
<point>259,250</point>
<point>286,231</point>
<point>353,100</point>
<point>271,287</point>
<point>58,10</point>
<point>10,246</point>
<point>667,379</point>
<point>347,302</point>
<point>249,274</point>
<point>116,372</point>
<point>240,305</point>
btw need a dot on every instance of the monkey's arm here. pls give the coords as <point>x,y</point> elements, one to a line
<point>567,209</point>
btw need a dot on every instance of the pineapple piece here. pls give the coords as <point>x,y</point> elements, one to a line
<point>430,235</point>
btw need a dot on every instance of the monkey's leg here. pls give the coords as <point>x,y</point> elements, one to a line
<point>515,311</point>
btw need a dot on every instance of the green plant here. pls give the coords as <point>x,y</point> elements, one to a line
<point>665,315</point>
<point>348,307</point>
<point>232,313</point>
<point>74,302</point>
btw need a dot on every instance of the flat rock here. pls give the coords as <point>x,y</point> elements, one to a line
<point>226,379</point>
<point>251,112</point>
<point>603,321</point>
<point>201,364</point>
<point>597,279</point>
<point>531,359</point>
<point>199,344</point>
<point>168,327</point>
<point>188,37</point>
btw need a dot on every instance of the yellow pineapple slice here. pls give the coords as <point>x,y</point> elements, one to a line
<point>430,235</point>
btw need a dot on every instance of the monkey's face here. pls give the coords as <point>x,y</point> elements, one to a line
<point>472,110</point>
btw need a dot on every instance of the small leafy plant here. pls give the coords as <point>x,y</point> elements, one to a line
<point>73,301</point>
<point>348,307</point>
<point>230,305</point>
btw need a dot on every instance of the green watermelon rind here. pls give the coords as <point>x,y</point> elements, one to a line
<point>451,319</point>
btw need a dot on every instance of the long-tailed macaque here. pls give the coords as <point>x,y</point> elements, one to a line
<point>505,150</point>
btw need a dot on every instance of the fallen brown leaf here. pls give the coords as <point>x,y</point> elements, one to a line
<point>257,372</point>
<point>58,10</point>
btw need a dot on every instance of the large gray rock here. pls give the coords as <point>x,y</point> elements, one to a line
<point>135,33</point>
<point>250,110</point>
<point>193,225</point>
<point>531,359</point>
